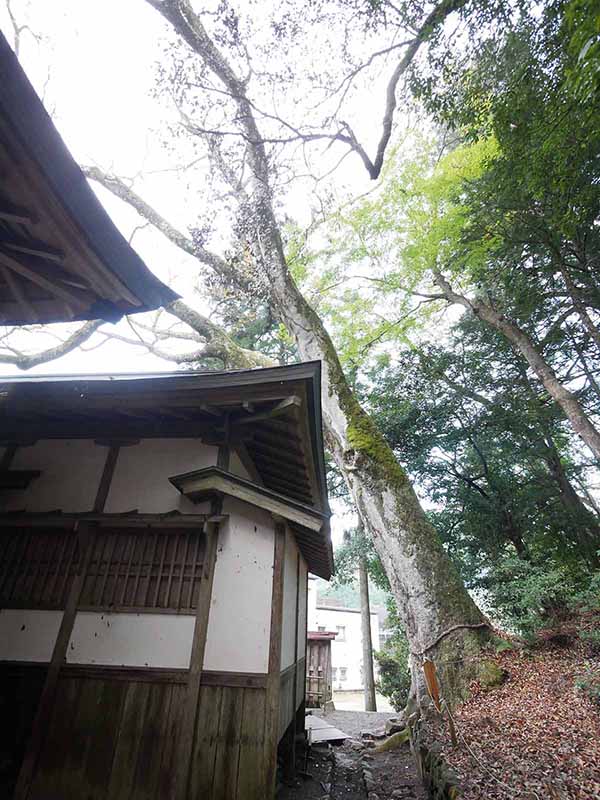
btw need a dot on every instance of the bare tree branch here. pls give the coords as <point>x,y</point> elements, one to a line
<point>25,361</point>
<point>189,26</point>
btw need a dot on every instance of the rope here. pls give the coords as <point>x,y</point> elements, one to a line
<point>447,633</point>
<point>483,766</point>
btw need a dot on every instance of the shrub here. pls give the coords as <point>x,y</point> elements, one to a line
<point>394,672</point>
<point>527,596</point>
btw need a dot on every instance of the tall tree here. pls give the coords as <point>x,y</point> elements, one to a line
<point>440,617</point>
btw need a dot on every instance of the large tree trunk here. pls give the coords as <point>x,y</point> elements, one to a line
<point>367,643</point>
<point>441,619</point>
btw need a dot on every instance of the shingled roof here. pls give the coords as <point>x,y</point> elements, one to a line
<point>61,256</point>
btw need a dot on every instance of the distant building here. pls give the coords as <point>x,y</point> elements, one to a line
<point>346,648</point>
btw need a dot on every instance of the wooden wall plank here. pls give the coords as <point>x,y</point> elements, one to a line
<point>107,705</point>
<point>205,745</point>
<point>251,770</point>
<point>189,722</point>
<point>47,699</point>
<point>170,743</point>
<point>49,780</point>
<point>122,779</point>
<point>150,746</point>
<point>228,745</point>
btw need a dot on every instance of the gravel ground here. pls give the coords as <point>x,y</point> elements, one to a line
<point>393,773</point>
<point>353,722</point>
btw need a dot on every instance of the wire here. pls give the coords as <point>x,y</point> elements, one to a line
<point>478,760</point>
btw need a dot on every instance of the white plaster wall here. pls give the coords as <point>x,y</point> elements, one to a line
<point>28,635</point>
<point>71,472</point>
<point>141,478</point>
<point>346,653</point>
<point>288,632</point>
<point>302,608</point>
<point>240,611</point>
<point>132,640</point>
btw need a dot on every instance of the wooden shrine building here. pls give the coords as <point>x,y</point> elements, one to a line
<point>319,684</point>
<point>155,538</point>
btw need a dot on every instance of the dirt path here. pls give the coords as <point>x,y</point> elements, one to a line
<point>338,772</point>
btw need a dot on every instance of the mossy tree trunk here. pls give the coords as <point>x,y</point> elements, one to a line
<point>441,619</point>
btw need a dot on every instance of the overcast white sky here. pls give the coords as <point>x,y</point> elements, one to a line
<point>94,68</point>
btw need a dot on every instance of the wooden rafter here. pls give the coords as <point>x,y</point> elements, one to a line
<point>33,247</point>
<point>17,214</point>
<point>68,297</point>
<point>282,407</point>
<point>29,312</point>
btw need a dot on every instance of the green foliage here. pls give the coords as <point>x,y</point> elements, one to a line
<point>394,673</point>
<point>588,599</point>
<point>532,596</point>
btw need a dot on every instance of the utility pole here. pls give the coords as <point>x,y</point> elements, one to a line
<point>367,644</point>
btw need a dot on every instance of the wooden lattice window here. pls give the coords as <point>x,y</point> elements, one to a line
<point>143,569</point>
<point>37,566</point>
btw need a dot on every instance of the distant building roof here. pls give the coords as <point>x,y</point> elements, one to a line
<point>61,256</point>
<point>342,608</point>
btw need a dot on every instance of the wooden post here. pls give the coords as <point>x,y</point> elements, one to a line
<point>274,674</point>
<point>367,644</point>
<point>190,714</point>
<point>290,754</point>
<point>84,530</point>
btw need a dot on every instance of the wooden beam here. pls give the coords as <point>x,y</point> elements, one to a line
<point>126,519</point>
<point>106,479</point>
<point>282,407</point>
<point>33,247</point>
<point>311,466</point>
<point>44,710</point>
<point>27,272</point>
<point>244,456</point>
<point>188,725</point>
<point>29,312</point>
<point>12,213</point>
<point>214,412</point>
<point>201,484</point>
<point>273,677</point>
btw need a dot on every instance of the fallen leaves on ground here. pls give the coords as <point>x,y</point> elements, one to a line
<point>535,736</point>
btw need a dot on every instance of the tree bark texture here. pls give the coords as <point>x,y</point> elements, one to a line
<point>367,643</point>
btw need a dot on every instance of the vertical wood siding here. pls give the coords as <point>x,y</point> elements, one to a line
<point>118,740</point>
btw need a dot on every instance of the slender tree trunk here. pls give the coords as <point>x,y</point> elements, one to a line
<point>569,403</point>
<point>579,303</point>
<point>586,528</point>
<point>367,644</point>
